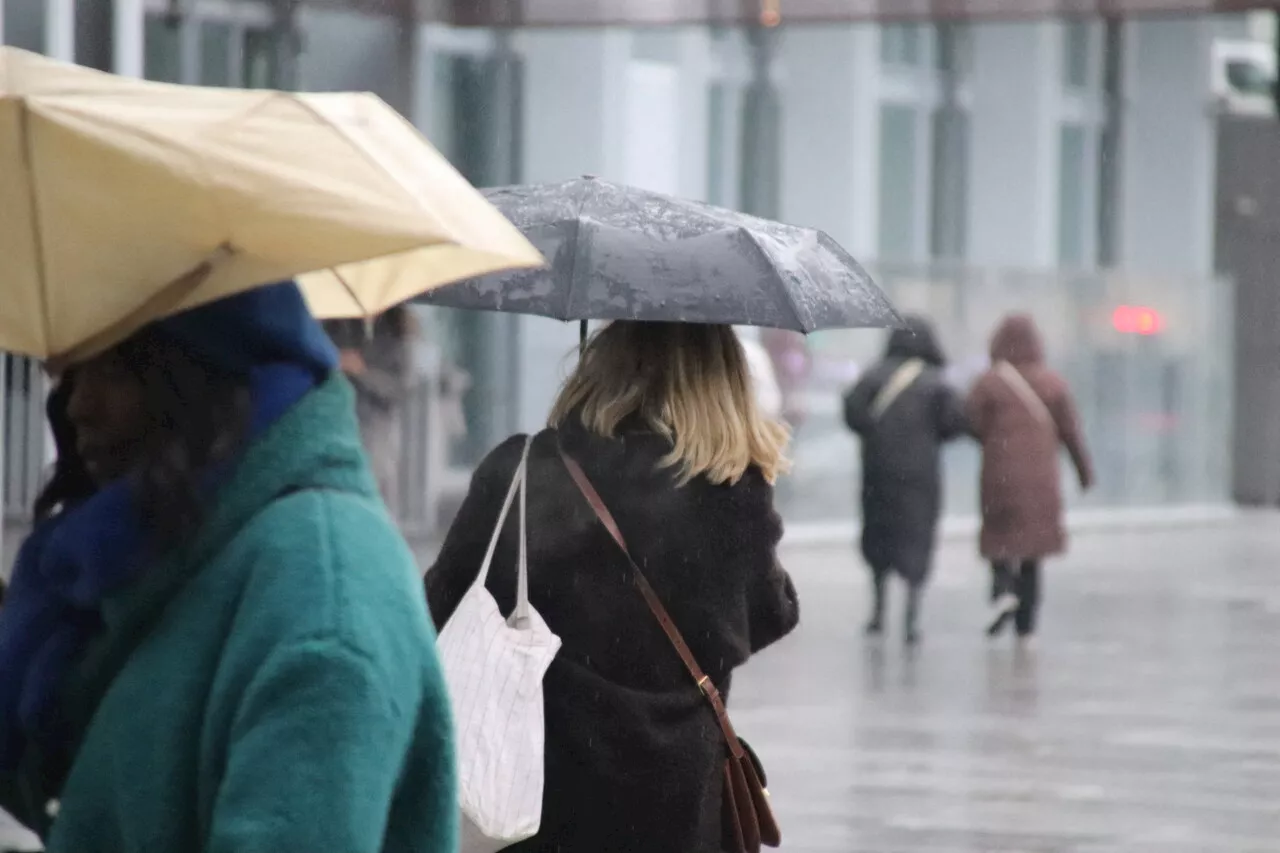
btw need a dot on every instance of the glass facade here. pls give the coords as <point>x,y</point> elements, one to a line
<point>229,51</point>
<point>902,44</point>
<point>1155,406</point>
<point>1077,54</point>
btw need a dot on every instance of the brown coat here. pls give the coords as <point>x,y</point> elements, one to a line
<point>1021,493</point>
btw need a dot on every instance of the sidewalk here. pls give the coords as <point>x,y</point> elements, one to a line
<point>1147,720</point>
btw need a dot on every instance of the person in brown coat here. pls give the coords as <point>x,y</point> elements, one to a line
<point>1021,411</point>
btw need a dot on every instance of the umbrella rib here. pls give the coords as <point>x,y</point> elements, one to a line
<point>199,166</point>
<point>804,323</point>
<point>37,226</point>
<point>573,260</point>
<point>350,290</point>
<point>415,197</point>
<point>293,97</point>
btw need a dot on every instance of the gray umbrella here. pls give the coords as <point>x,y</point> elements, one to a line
<point>618,253</point>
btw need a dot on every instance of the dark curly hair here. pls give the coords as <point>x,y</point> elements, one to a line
<point>198,415</point>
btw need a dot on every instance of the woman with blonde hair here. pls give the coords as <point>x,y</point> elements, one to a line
<point>662,419</point>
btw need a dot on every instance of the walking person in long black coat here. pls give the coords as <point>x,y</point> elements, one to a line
<point>663,419</point>
<point>903,411</point>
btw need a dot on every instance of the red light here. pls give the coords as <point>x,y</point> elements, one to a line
<point>1137,320</point>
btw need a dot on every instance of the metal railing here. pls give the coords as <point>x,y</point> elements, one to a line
<point>426,478</point>
<point>25,435</point>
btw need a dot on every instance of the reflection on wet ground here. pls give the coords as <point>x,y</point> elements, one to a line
<point>1146,719</point>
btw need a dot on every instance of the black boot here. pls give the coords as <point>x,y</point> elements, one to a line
<point>912,632</point>
<point>875,625</point>
<point>1004,598</point>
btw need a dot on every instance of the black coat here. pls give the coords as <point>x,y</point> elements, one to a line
<point>901,454</point>
<point>634,755</point>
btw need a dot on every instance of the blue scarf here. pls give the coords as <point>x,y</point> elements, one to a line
<point>72,562</point>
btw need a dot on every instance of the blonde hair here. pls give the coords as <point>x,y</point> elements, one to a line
<point>689,383</point>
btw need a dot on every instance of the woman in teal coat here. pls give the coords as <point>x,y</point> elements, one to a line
<point>215,639</point>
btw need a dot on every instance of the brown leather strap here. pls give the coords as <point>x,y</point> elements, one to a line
<point>705,684</point>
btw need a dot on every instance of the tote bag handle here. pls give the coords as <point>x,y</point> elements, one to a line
<point>520,485</point>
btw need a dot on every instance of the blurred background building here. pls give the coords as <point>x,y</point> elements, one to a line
<point>1012,160</point>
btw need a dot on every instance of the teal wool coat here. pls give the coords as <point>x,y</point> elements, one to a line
<point>272,686</point>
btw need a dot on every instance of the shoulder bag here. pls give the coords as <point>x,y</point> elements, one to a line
<point>748,819</point>
<point>901,379</point>
<point>1022,388</point>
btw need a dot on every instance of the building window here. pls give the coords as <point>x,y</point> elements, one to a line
<point>1076,54</point>
<point>230,53</point>
<point>258,62</point>
<point>219,54</point>
<point>898,181</point>
<point>953,49</point>
<point>162,46</point>
<point>1073,196</point>
<point>901,44</point>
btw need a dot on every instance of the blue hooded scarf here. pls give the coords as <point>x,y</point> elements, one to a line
<point>74,560</point>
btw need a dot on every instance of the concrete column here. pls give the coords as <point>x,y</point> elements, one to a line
<point>128,37</point>
<point>286,45</point>
<point>408,49</point>
<point>948,200</point>
<point>1111,143</point>
<point>576,103</point>
<point>60,29</point>
<point>1169,149</point>
<point>190,64</point>
<point>830,81</point>
<point>575,119</point>
<point>1017,86</point>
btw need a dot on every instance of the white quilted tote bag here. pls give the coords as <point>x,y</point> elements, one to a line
<point>494,668</point>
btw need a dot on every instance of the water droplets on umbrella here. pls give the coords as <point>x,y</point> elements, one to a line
<point>618,253</point>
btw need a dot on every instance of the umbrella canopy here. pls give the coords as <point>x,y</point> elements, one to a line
<point>122,201</point>
<point>618,253</point>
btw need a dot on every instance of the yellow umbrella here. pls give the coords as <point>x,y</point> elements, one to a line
<point>122,201</point>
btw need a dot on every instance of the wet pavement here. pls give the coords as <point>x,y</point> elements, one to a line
<point>1146,720</point>
<point>1147,717</point>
